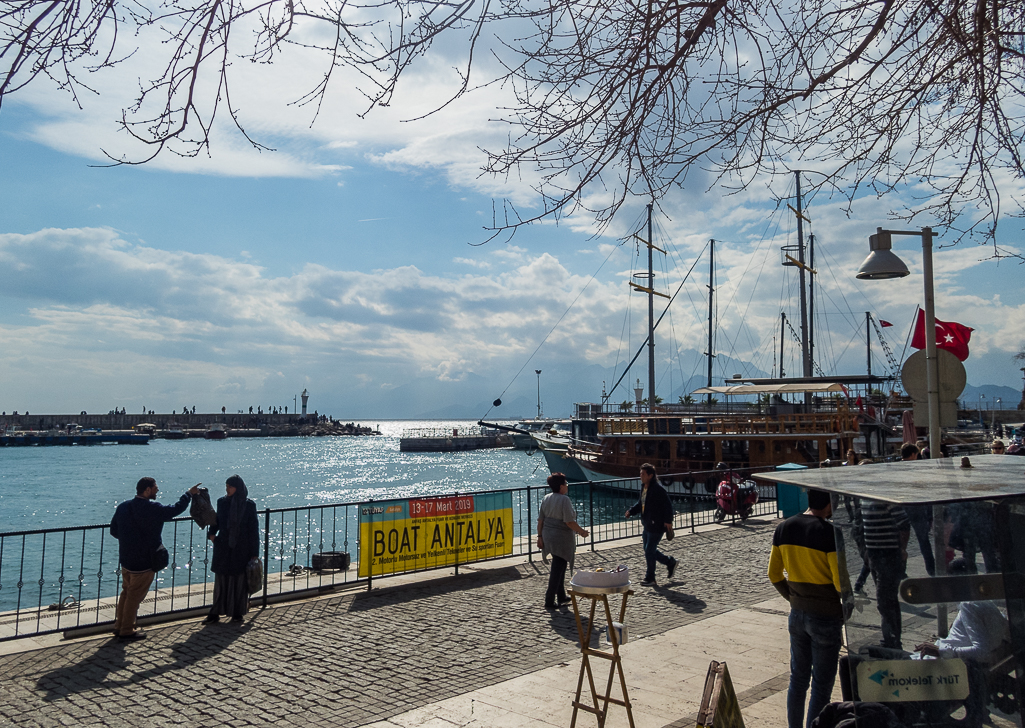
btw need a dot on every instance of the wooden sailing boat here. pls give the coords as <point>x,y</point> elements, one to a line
<point>684,441</point>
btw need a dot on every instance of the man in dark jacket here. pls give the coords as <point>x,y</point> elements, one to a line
<point>657,517</point>
<point>137,525</point>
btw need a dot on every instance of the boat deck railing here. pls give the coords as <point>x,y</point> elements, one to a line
<point>68,579</point>
<point>446,432</point>
<point>731,424</point>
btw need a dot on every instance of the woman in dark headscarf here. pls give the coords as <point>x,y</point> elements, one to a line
<point>236,538</point>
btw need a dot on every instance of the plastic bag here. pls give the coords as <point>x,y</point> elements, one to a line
<point>254,573</point>
<point>201,511</point>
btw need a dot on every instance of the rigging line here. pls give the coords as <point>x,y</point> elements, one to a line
<point>764,241</point>
<point>645,342</point>
<point>853,317</point>
<point>564,313</point>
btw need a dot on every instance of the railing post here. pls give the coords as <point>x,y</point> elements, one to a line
<point>457,538</point>
<point>360,545</point>
<point>530,532</point>
<point>590,498</point>
<point>266,552</point>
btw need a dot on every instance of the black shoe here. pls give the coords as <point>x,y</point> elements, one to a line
<point>211,618</point>
<point>551,607</point>
<point>671,568</point>
<point>565,600</point>
<point>648,582</point>
<point>133,637</point>
<point>236,619</point>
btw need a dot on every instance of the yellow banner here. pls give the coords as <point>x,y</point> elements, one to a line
<point>425,533</point>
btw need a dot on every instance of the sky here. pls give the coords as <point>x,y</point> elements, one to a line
<point>352,261</point>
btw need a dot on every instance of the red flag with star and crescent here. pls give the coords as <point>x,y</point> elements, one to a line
<point>952,336</point>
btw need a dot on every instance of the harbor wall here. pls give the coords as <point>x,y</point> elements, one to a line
<point>200,420</point>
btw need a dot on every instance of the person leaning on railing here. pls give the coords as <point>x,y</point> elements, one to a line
<point>137,525</point>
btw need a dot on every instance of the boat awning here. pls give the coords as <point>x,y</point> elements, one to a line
<point>771,388</point>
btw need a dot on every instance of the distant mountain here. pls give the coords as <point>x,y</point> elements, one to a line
<point>990,393</point>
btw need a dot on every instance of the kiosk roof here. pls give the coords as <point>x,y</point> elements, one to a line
<point>942,480</point>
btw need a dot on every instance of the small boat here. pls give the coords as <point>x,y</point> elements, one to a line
<point>174,432</point>
<point>216,432</point>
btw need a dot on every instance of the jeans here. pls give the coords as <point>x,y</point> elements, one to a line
<point>652,554</point>
<point>814,651</point>
<point>921,522</point>
<point>556,581</point>
<point>133,591</point>
<point>888,570</point>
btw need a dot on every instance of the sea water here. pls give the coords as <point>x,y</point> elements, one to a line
<point>58,487</point>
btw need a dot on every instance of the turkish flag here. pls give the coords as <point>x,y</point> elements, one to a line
<point>884,324</point>
<point>949,335</point>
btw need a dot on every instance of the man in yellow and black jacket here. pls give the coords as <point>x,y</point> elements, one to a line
<point>803,567</point>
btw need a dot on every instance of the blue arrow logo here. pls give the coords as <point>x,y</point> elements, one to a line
<point>880,676</point>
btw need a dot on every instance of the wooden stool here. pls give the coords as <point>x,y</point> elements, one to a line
<point>599,703</point>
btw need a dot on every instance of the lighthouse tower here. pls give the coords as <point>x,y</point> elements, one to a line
<point>305,397</point>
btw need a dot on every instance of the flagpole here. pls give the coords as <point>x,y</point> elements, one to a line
<point>932,372</point>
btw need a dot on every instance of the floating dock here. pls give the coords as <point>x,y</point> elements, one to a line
<point>453,439</point>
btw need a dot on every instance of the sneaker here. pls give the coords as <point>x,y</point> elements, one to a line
<point>648,582</point>
<point>672,568</point>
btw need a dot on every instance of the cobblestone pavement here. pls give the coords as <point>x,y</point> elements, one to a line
<point>353,659</point>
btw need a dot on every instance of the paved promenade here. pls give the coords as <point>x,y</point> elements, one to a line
<point>433,650</point>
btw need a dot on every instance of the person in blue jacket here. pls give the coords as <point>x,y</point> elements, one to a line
<point>236,538</point>
<point>656,511</point>
<point>137,525</point>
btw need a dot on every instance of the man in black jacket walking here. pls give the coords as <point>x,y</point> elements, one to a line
<point>137,525</point>
<point>657,516</point>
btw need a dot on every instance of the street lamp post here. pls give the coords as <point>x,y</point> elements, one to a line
<point>538,373</point>
<point>881,264</point>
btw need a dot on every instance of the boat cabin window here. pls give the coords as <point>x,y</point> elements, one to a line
<point>734,451</point>
<point>695,450</point>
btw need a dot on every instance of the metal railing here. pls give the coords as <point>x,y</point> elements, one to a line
<point>55,580</point>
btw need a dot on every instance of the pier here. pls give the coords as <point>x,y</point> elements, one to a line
<point>472,649</point>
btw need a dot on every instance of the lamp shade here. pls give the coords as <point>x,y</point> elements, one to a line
<point>882,264</point>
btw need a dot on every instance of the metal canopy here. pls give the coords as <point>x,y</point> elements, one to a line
<point>771,388</point>
<point>942,480</point>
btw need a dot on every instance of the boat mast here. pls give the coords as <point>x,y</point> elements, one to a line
<point>868,340</point>
<point>805,350</point>
<point>782,338</point>
<point>811,301</point>
<point>711,292</point>
<point>651,320</point>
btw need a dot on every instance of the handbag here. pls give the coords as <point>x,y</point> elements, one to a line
<point>254,573</point>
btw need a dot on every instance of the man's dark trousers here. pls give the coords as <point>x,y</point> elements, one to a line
<point>652,555</point>
<point>814,651</point>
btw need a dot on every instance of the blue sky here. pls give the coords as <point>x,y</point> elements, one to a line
<point>344,263</point>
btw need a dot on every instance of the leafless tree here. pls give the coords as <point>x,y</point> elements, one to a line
<point>614,99</point>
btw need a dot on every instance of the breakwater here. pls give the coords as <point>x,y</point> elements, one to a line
<point>195,425</point>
